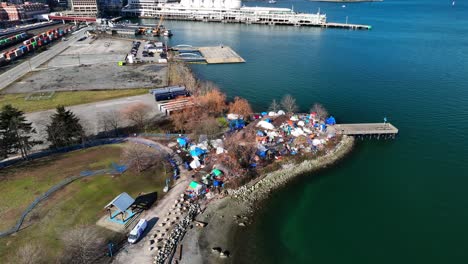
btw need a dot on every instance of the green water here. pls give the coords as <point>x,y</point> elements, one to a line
<point>401,201</point>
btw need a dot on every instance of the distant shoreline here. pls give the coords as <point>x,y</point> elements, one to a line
<point>346,1</point>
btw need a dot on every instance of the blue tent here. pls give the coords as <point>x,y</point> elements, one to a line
<point>182,142</point>
<point>197,152</point>
<point>330,121</point>
<point>264,113</point>
<point>237,124</point>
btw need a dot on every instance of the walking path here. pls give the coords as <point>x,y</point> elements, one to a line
<point>139,252</point>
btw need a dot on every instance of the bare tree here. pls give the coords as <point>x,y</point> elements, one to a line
<point>289,104</point>
<point>139,156</point>
<point>83,245</point>
<point>207,126</point>
<point>138,114</point>
<point>30,254</point>
<point>205,87</point>
<point>213,102</point>
<point>320,110</point>
<point>274,106</point>
<point>111,122</point>
<point>240,106</point>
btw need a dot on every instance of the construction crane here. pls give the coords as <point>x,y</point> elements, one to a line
<point>158,28</point>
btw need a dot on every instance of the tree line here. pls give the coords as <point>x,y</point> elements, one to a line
<point>17,134</point>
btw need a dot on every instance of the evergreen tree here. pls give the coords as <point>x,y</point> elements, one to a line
<point>15,132</point>
<point>65,129</point>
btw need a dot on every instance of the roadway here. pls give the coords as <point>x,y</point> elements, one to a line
<point>29,65</point>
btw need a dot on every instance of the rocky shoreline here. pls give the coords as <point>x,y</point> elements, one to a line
<point>226,216</point>
<point>262,189</point>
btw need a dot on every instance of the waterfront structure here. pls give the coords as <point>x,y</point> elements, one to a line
<point>26,11</point>
<point>109,7</point>
<point>84,8</point>
<point>228,11</point>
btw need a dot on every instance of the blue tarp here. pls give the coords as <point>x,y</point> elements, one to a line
<point>330,121</point>
<point>182,142</point>
<point>264,113</point>
<point>237,124</point>
<point>197,152</point>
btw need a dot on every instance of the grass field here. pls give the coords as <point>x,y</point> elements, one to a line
<point>65,98</point>
<point>79,203</point>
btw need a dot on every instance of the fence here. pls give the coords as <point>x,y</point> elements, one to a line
<point>45,153</point>
<point>114,170</point>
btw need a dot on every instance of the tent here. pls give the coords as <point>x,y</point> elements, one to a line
<point>195,187</point>
<point>236,124</point>
<point>232,116</point>
<point>264,113</point>
<point>330,121</point>
<point>197,152</point>
<point>281,112</point>
<point>316,142</point>
<point>195,164</point>
<point>182,142</point>
<point>216,172</point>
<point>265,125</point>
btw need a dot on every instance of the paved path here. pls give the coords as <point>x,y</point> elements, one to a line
<point>19,71</point>
<point>139,253</point>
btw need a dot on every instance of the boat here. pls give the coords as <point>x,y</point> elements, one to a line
<point>272,1</point>
<point>167,33</point>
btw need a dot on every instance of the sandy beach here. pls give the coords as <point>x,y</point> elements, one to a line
<point>227,215</point>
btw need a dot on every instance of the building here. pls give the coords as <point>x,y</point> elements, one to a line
<point>228,11</point>
<point>110,7</point>
<point>84,8</point>
<point>26,11</point>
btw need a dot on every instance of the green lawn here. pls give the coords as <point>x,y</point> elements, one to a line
<point>79,203</point>
<point>65,98</point>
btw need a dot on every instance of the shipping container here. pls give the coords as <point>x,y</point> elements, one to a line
<point>11,55</point>
<point>30,47</point>
<point>18,52</point>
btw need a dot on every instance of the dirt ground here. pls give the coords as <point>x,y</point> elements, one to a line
<point>92,77</point>
<point>92,64</point>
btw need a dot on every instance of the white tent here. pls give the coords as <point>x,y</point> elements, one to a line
<point>195,164</point>
<point>265,125</point>
<point>316,142</point>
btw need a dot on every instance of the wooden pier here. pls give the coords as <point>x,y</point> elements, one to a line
<point>371,129</point>
<point>347,26</point>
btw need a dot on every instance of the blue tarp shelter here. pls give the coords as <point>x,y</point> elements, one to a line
<point>182,142</point>
<point>330,121</point>
<point>237,124</point>
<point>197,152</point>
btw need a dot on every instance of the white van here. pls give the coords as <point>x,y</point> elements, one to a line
<point>137,231</point>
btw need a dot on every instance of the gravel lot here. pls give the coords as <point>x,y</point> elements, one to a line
<point>92,65</point>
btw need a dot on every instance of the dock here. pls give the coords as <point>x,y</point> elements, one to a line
<point>211,55</point>
<point>365,129</point>
<point>347,26</point>
<point>220,54</point>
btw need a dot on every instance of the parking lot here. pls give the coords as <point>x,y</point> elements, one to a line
<point>148,52</point>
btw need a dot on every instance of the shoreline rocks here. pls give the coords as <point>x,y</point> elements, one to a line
<point>259,191</point>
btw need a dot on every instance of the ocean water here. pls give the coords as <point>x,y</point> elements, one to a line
<point>399,201</point>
